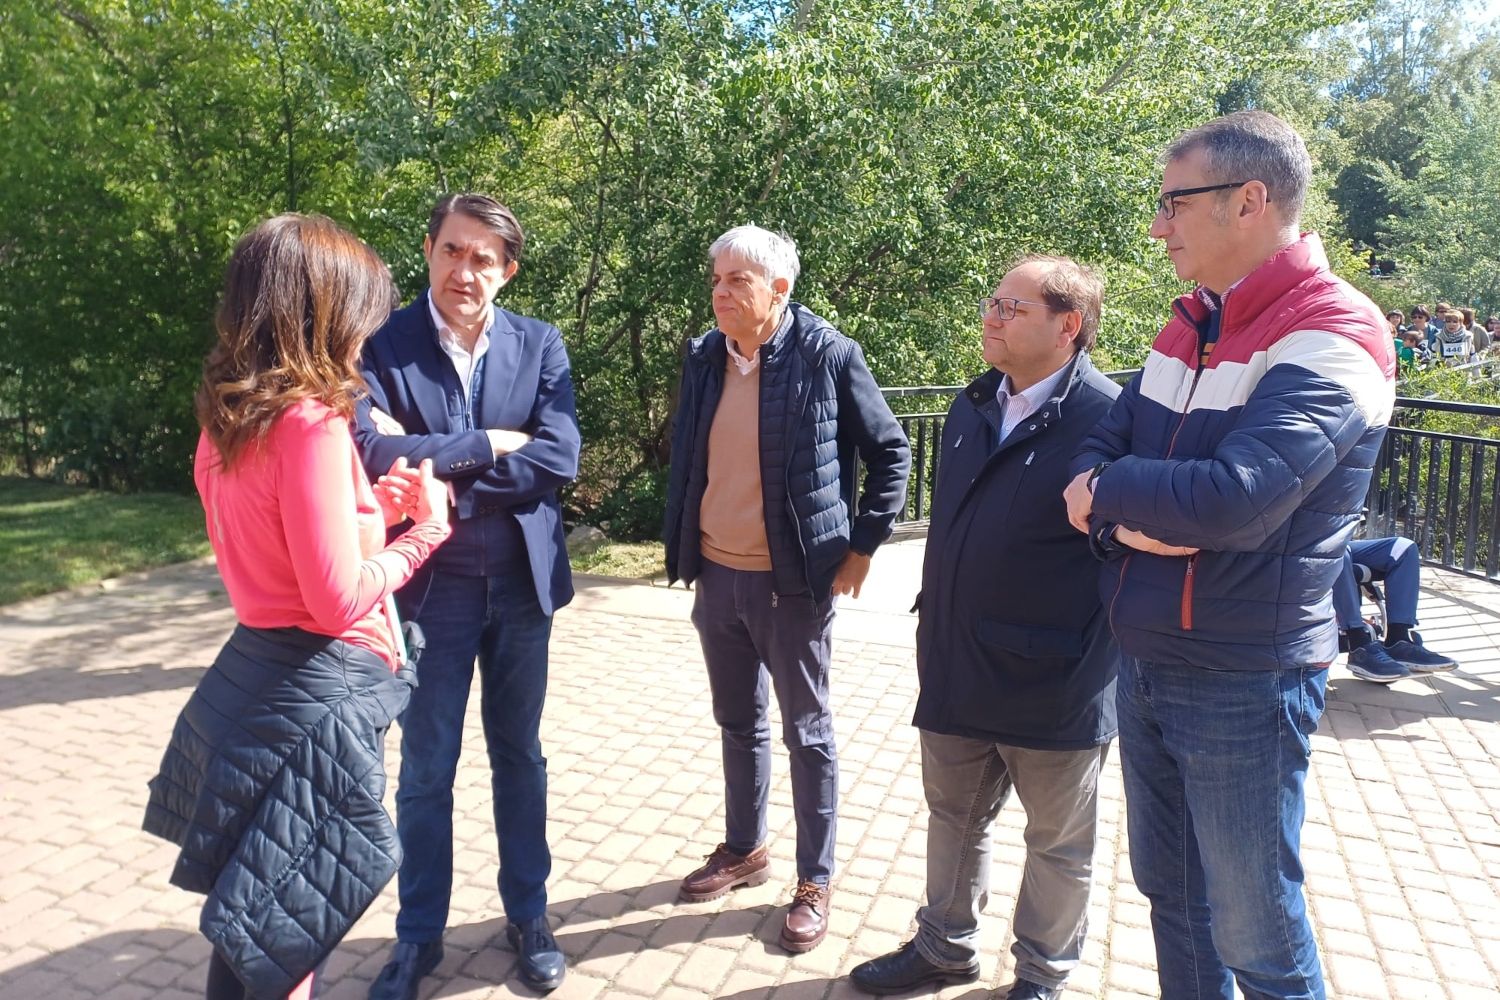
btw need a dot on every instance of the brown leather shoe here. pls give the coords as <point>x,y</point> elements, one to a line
<point>725,870</point>
<point>807,919</point>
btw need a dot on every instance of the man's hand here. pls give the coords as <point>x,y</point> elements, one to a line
<point>505,442</point>
<point>1145,543</point>
<point>851,574</point>
<point>385,423</point>
<point>1080,501</point>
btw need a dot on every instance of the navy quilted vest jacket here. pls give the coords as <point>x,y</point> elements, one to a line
<point>820,412</point>
<point>272,787</point>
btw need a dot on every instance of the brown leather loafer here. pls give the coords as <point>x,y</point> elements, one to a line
<point>807,919</point>
<point>725,870</point>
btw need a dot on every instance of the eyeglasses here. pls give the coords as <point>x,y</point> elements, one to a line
<point>1004,307</point>
<point>1166,204</point>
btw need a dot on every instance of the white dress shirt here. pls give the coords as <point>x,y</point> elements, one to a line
<point>1017,406</point>
<point>464,361</point>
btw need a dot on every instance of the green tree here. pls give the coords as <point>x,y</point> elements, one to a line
<point>1446,230</point>
<point>909,148</point>
<point>141,140</point>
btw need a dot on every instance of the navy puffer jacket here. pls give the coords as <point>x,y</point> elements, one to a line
<point>820,411</point>
<point>272,787</point>
<point>1260,458</point>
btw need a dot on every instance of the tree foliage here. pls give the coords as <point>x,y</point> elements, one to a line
<point>909,147</point>
<point>1400,110</point>
<point>1450,219</point>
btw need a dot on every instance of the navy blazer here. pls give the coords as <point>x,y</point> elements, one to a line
<point>527,386</point>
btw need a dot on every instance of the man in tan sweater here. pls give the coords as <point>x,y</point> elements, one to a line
<point>775,407</point>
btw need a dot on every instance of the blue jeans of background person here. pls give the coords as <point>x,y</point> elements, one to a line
<point>1214,763</point>
<point>497,619</point>
<point>1394,561</point>
<point>750,636</point>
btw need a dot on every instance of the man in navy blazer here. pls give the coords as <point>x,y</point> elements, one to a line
<point>487,395</point>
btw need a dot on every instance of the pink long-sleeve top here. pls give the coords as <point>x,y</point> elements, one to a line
<point>299,536</point>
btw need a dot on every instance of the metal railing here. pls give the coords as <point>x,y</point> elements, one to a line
<point>1439,488</point>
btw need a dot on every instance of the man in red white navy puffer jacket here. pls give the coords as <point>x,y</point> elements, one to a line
<point>1221,489</point>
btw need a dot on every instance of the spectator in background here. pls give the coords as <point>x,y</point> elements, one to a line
<point>1480,334</point>
<point>1455,345</point>
<point>1492,327</point>
<point>1396,319</point>
<point>1397,563</point>
<point>1435,324</point>
<point>1413,349</point>
<point>1421,321</point>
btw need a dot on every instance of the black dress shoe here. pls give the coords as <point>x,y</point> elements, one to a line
<point>409,963</point>
<point>1025,989</point>
<point>905,969</point>
<point>541,964</point>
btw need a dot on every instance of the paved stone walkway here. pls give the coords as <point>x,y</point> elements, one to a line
<point>1402,840</point>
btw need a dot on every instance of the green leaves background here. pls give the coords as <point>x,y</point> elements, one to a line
<point>910,148</point>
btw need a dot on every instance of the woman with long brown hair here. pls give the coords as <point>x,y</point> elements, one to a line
<point>273,779</point>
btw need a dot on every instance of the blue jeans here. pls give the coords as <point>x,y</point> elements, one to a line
<point>497,619</point>
<point>750,636</point>
<point>1395,561</point>
<point>1214,763</point>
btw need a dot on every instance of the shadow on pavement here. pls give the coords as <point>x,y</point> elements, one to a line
<point>62,685</point>
<point>166,963</point>
<point>480,951</point>
<point>1473,697</point>
<point>171,963</point>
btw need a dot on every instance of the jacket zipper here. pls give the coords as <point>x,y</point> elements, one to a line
<point>1187,593</point>
<point>1119,586</point>
<point>1197,373</point>
<point>791,509</point>
<point>1187,577</point>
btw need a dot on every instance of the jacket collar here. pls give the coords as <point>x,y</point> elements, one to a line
<point>982,390</point>
<point>712,349</point>
<point>1263,287</point>
<point>428,370</point>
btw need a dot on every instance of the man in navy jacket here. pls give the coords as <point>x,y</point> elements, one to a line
<point>775,410</point>
<point>1016,662</point>
<point>1224,485</point>
<point>488,396</point>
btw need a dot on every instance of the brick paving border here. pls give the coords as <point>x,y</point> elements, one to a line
<point>1402,843</point>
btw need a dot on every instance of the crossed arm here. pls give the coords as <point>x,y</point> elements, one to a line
<point>486,467</point>
<point>1290,434</point>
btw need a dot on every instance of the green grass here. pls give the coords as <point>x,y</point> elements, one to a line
<point>53,537</point>
<point>630,560</point>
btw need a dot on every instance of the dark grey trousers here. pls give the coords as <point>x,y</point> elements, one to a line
<point>754,639</point>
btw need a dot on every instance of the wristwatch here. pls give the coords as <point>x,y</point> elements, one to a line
<point>1094,475</point>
